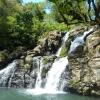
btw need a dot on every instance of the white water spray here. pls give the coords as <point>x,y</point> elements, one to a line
<point>54,74</point>
<point>6,73</point>
<point>39,79</point>
<point>79,40</point>
<point>57,69</point>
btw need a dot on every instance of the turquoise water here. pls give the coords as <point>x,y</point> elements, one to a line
<point>12,94</point>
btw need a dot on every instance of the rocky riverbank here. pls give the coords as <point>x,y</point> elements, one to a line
<point>47,46</point>
<point>84,66</point>
<point>29,61</point>
<point>82,73</point>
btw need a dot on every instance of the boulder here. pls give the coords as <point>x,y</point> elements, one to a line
<point>7,57</point>
<point>48,45</point>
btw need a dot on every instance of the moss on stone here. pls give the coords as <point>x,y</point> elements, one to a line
<point>63,52</point>
<point>66,48</point>
<point>46,60</point>
<point>74,82</point>
<point>3,55</point>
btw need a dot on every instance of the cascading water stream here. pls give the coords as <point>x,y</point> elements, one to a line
<point>6,73</point>
<point>54,74</point>
<point>59,65</point>
<point>79,40</point>
<point>63,44</point>
<point>57,69</point>
<point>39,80</point>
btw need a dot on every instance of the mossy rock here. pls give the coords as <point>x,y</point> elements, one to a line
<point>63,52</point>
<point>74,83</point>
<point>3,56</point>
<point>65,49</point>
<point>47,60</point>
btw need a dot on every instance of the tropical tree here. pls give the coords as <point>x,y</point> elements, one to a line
<point>96,7</point>
<point>70,10</point>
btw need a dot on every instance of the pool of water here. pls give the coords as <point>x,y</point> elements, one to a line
<point>13,94</point>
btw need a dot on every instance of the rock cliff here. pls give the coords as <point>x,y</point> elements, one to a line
<point>84,66</point>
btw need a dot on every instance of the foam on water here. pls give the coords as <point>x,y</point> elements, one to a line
<point>40,91</point>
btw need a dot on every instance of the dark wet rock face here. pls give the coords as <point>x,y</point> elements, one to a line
<point>27,71</point>
<point>49,45</point>
<point>7,57</point>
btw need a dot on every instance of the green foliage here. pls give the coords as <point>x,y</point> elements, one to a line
<point>74,83</point>
<point>20,25</point>
<point>24,24</point>
<point>49,59</point>
<point>64,52</point>
<point>69,10</point>
<point>3,55</point>
<point>55,26</point>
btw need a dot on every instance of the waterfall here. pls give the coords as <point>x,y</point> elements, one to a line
<point>63,44</point>
<point>6,74</point>
<point>57,68</point>
<point>79,40</point>
<point>53,79</point>
<point>54,74</point>
<point>53,82</point>
<point>39,79</point>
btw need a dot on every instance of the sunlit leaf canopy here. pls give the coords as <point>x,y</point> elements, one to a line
<point>24,22</point>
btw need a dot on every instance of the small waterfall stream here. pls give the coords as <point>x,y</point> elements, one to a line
<point>6,74</point>
<point>57,69</point>
<point>79,40</point>
<point>39,79</point>
<point>54,74</point>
